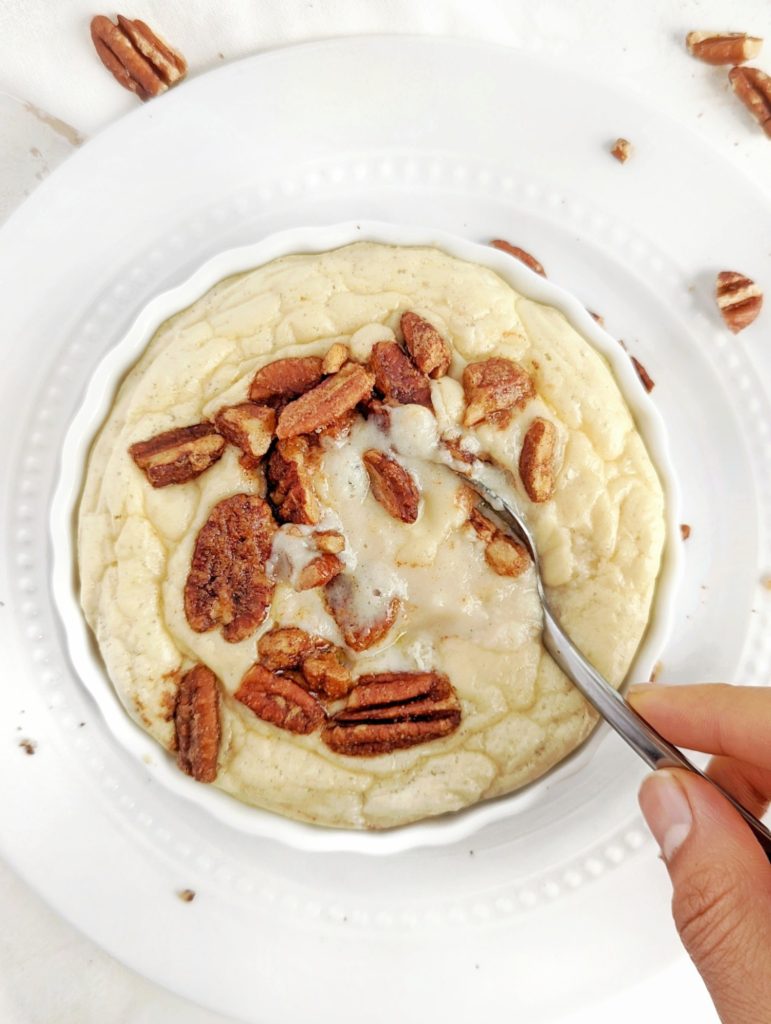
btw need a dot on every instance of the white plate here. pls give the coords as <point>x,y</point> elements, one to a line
<point>455,136</point>
<point>557,784</point>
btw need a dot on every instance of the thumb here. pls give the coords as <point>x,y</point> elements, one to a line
<point>722,890</point>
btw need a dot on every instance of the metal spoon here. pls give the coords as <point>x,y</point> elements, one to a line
<point>641,737</point>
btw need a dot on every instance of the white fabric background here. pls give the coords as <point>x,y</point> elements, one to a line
<point>49,974</point>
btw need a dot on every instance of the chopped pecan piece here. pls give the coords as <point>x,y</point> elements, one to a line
<point>178,455</point>
<point>359,633</point>
<point>286,378</point>
<point>249,427</point>
<point>227,584</point>
<point>392,486</point>
<point>329,541</point>
<point>326,673</point>
<point>290,481</point>
<point>328,401</point>
<point>197,723</point>
<point>685,531</point>
<point>519,254</point>
<point>319,571</point>
<point>454,446</point>
<point>137,58</point>
<point>753,87</point>
<point>494,384</point>
<point>505,555</point>
<point>379,413</point>
<point>429,350</point>
<point>392,711</point>
<point>336,357</point>
<point>738,298</point>
<point>622,150</point>
<point>536,460</point>
<point>723,47</point>
<point>396,378</point>
<point>279,700</point>
<point>287,647</point>
<point>645,378</point>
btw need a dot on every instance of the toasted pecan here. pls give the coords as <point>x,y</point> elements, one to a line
<point>519,254</point>
<point>290,481</point>
<point>286,647</point>
<point>197,723</point>
<point>505,555</point>
<point>336,357</point>
<point>286,378</point>
<point>227,584</point>
<point>326,673</point>
<point>494,384</point>
<point>396,377</point>
<point>329,541</point>
<point>536,460</point>
<point>178,455</point>
<point>645,378</point>
<point>392,711</point>
<point>278,699</point>
<point>249,427</point>
<point>753,87</point>
<point>319,571</point>
<point>739,299</point>
<point>138,59</point>
<point>329,401</point>
<point>392,486</point>
<point>359,633</point>
<point>429,351</point>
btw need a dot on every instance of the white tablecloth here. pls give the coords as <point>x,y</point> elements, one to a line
<point>49,974</point>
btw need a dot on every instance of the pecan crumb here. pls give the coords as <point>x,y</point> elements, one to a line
<point>28,746</point>
<point>186,895</point>
<point>336,357</point>
<point>319,571</point>
<point>519,254</point>
<point>685,531</point>
<point>645,378</point>
<point>621,150</point>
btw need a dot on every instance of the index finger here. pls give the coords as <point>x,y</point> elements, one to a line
<point>713,717</point>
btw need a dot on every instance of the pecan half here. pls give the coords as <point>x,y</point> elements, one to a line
<point>328,401</point>
<point>249,427</point>
<point>723,47</point>
<point>645,378</point>
<point>738,298</point>
<point>520,254</point>
<point>197,723</point>
<point>137,58</point>
<point>392,711</point>
<point>337,355</point>
<point>178,455</point>
<point>290,481</point>
<point>286,378</point>
<point>536,460</point>
<point>326,673</point>
<point>287,647</point>
<point>279,700</point>
<point>621,150</point>
<point>753,87</point>
<point>396,378</point>
<point>392,486</point>
<point>494,384</point>
<point>505,555</point>
<point>319,571</point>
<point>342,598</point>
<point>227,585</point>
<point>429,350</point>
<point>329,541</point>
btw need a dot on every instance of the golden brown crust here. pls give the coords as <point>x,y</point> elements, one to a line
<point>329,401</point>
<point>392,486</point>
<point>178,455</point>
<point>197,723</point>
<point>396,378</point>
<point>227,584</point>
<point>278,699</point>
<point>430,352</point>
<point>494,384</point>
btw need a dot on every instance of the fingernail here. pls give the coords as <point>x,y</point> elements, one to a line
<point>667,811</point>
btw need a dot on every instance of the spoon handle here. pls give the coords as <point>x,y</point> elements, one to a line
<point>621,716</point>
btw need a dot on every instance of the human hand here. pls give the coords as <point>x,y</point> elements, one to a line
<point>721,877</point>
